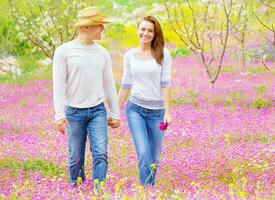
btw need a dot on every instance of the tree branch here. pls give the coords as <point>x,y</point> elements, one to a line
<point>266,4</point>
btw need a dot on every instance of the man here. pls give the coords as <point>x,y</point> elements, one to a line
<point>82,80</point>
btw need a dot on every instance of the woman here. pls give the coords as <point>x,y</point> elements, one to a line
<point>147,76</point>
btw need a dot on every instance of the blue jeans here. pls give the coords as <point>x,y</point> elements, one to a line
<point>144,127</point>
<point>83,121</point>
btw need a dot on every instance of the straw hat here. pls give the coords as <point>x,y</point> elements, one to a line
<point>91,16</point>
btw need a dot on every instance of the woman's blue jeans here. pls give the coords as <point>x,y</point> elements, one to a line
<point>144,127</point>
<point>82,122</point>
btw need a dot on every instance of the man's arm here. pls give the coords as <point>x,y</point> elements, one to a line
<point>111,94</point>
<point>59,87</point>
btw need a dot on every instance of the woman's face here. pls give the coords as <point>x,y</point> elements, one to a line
<point>146,31</point>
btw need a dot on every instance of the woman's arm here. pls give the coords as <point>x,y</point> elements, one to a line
<point>123,95</point>
<point>166,84</point>
<point>167,104</point>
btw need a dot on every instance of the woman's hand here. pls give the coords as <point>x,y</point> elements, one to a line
<point>114,123</point>
<point>167,118</point>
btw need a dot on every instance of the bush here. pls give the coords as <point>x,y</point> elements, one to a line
<point>182,52</point>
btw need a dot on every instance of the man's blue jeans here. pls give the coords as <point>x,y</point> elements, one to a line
<point>144,126</point>
<point>83,121</point>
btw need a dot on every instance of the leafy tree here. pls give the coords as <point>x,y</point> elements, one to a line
<point>46,23</point>
<point>241,27</point>
<point>267,21</point>
<point>202,25</point>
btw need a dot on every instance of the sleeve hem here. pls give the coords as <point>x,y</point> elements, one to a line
<point>59,117</point>
<point>126,86</point>
<point>166,84</point>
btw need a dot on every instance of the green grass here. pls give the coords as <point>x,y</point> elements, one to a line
<point>48,169</point>
<point>190,97</point>
<point>30,70</point>
<point>261,103</point>
<point>261,89</point>
<point>257,70</point>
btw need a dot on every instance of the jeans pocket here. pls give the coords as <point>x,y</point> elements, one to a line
<point>132,105</point>
<point>70,110</point>
<point>159,112</point>
<point>101,107</point>
<point>129,106</point>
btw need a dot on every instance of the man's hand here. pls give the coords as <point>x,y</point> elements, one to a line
<point>114,123</point>
<point>61,125</point>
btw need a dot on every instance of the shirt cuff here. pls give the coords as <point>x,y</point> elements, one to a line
<point>126,86</point>
<point>115,116</point>
<point>59,116</point>
<point>166,84</point>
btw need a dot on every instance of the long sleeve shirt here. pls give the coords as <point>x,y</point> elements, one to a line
<point>83,78</point>
<point>146,78</point>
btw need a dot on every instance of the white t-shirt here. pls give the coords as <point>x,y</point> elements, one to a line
<point>145,78</point>
<point>83,78</point>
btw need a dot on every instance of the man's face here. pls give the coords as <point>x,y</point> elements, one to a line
<point>95,31</point>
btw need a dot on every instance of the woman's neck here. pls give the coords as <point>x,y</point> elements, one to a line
<point>144,47</point>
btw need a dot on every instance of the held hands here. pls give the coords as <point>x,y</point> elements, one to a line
<point>114,123</point>
<point>61,125</point>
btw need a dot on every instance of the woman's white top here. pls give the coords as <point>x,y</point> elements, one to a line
<point>146,78</point>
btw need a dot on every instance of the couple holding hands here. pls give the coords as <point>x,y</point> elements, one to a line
<point>83,80</point>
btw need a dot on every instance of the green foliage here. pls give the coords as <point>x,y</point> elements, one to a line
<point>10,44</point>
<point>30,70</point>
<point>236,96</point>
<point>42,29</point>
<point>261,103</point>
<point>131,5</point>
<point>115,31</point>
<point>131,38</point>
<point>261,89</point>
<point>257,70</point>
<point>48,169</point>
<point>181,52</point>
<point>263,140</point>
<point>190,97</point>
<point>170,37</point>
<point>118,34</point>
<point>28,62</point>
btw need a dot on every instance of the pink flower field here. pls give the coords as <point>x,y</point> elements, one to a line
<point>219,146</point>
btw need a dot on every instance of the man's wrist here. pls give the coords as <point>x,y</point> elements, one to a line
<point>60,120</point>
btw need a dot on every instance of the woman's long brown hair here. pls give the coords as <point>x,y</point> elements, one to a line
<point>157,43</point>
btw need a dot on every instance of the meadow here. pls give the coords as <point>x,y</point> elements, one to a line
<point>219,146</point>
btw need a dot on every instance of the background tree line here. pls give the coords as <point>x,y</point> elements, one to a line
<point>208,28</point>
